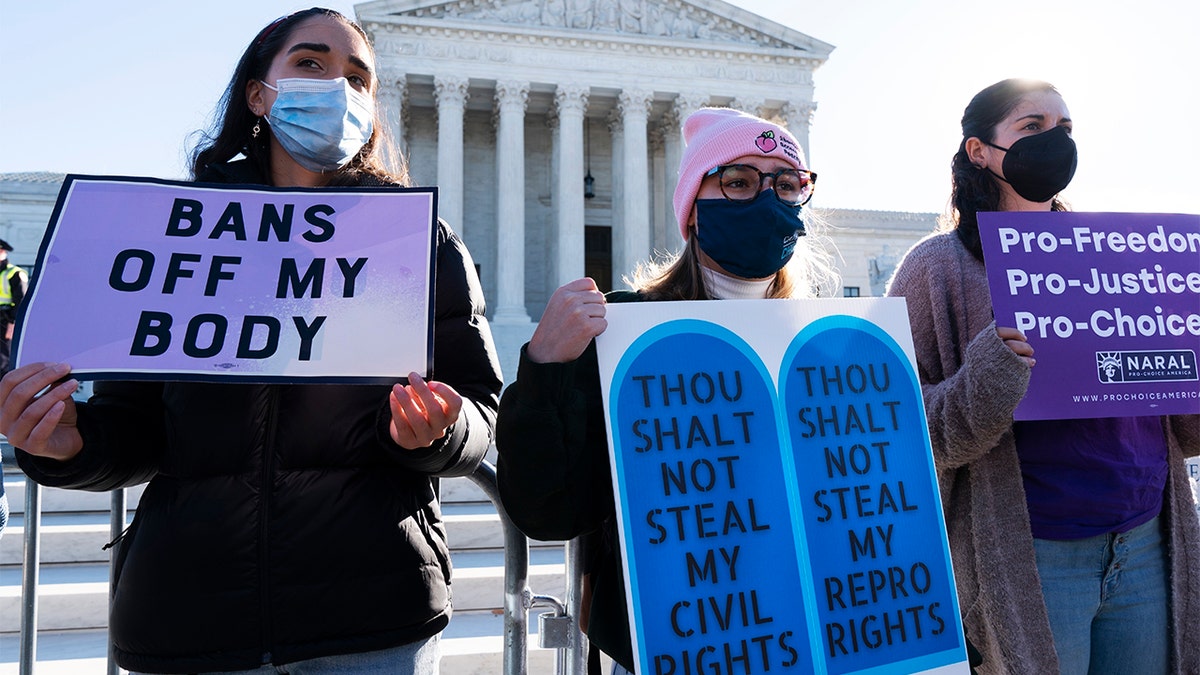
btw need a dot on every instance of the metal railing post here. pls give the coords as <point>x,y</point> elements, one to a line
<point>29,576</point>
<point>576,655</point>
<point>116,525</point>
<point>517,598</point>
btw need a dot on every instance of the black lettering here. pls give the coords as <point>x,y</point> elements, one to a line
<point>245,349</point>
<point>678,479</point>
<point>217,273</point>
<point>637,431</point>
<point>289,277</point>
<point>696,433</point>
<point>887,379</point>
<point>184,210</point>
<point>660,433</point>
<point>706,394</point>
<point>827,513</point>
<point>705,572</point>
<point>662,531</point>
<point>676,626</point>
<point>322,229</point>
<point>116,277</point>
<point>176,270</point>
<point>679,388</point>
<point>155,325</point>
<point>835,634</point>
<point>737,392</point>
<point>810,429</point>
<point>807,371</point>
<point>307,332</point>
<point>644,380</point>
<point>230,221</point>
<point>273,221</point>
<point>350,271</point>
<point>856,378</point>
<point>708,480</point>
<point>835,379</point>
<point>933,614</point>
<point>191,345</point>
<point>793,655</point>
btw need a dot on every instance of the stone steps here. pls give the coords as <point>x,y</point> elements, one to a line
<point>73,580</point>
<point>471,645</point>
<point>80,536</point>
<point>75,595</point>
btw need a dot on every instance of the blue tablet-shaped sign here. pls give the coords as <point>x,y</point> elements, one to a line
<point>860,457</point>
<point>774,482</point>
<point>704,503</point>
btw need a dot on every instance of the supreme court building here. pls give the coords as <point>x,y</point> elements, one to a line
<point>552,130</point>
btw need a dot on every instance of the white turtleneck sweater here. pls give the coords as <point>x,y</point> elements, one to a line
<point>724,287</point>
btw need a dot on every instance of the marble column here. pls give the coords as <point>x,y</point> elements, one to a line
<point>632,243</point>
<point>685,104</point>
<point>571,104</point>
<point>616,132</point>
<point>451,95</point>
<point>391,113</point>
<point>798,117</point>
<point>511,98</point>
<point>672,153</point>
<point>660,194</point>
<point>754,106</point>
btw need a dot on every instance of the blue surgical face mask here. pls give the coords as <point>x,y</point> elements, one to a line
<point>322,124</point>
<point>752,240</point>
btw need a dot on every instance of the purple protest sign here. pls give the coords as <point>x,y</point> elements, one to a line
<point>1110,303</point>
<point>141,278</point>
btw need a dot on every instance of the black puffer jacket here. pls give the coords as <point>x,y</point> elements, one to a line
<point>281,522</point>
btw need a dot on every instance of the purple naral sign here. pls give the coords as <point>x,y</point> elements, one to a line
<point>1110,303</point>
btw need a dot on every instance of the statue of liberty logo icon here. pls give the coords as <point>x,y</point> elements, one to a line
<point>1108,367</point>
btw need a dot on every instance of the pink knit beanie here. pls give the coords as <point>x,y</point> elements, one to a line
<point>716,136</point>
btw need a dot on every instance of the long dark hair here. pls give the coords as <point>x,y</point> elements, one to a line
<point>974,189</point>
<point>231,133</point>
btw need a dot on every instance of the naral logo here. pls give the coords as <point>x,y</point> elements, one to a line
<point>1175,365</point>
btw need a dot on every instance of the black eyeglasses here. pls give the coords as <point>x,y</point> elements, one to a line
<point>743,183</point>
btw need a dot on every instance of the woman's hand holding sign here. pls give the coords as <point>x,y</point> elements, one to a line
<point>1015,340</point>
<point>574,315</point>
<point>422,411</point>
<point>40,424</point>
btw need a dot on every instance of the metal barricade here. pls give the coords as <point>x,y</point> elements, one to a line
<point>562,633</point>
<point>116,527</point>
<point>567,638</point>
<point>29,575</point>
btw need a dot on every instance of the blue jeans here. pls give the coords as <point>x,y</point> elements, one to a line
<point>417,658</point>
<point>1108,597</point>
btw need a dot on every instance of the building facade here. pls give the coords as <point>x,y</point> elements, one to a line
<point>509,105</point>
<point>552,130</point>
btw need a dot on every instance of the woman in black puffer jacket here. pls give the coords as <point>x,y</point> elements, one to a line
<point>282,522</point>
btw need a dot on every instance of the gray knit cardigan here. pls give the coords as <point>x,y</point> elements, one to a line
<point>972,383</point>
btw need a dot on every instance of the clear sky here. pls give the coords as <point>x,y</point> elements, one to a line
<point>118,87</point>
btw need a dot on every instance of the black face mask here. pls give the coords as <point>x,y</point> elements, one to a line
<point>1039,166</point>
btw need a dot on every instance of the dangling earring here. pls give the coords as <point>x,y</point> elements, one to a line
<point>256,129</point>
